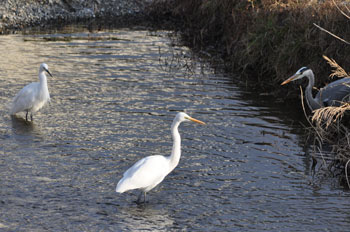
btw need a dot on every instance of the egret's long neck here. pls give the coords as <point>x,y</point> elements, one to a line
<point>312,102</point>
<point>43,80</point>
<point>174,158</point>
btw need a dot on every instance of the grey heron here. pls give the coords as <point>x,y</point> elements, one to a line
<point>332,94</point>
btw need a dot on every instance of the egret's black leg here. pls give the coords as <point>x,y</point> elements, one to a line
<point>27,116</point>
<point>139,199</point>
<point>31,116</point>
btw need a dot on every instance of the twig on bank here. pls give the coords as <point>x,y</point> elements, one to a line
<point>335,36</point>
<point>343,13</point>
<point>346,172</point>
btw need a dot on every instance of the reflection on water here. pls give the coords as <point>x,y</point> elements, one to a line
<point>145,218</point>
<point>25,132</point>
<point>114,96</point>
<point>22,127</point>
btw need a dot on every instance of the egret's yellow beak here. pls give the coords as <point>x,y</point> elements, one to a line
<point>292,78</point>
<point>195,120</point>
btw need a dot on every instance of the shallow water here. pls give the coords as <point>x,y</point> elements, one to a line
<point>114,95</point>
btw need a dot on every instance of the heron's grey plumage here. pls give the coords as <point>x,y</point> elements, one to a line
<point>335,93</point>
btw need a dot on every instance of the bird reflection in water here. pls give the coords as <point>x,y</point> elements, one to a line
<point>23,127</point>
<point>146,217</point>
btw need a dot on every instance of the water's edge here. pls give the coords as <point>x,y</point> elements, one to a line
<point>20,14</point>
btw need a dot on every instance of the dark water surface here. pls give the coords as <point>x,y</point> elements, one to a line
<point>114,95</point>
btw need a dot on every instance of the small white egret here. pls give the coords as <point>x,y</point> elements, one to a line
<point>33,96</point>
<point>148,172</point>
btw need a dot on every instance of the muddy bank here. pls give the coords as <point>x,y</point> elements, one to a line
<point>19,14</point>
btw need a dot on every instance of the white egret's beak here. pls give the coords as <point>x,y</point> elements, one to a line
<point>195,120</point>
<point>292,78</point>
<point>48,72</point>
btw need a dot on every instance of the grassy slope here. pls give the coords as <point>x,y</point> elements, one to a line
<point>267,40</point>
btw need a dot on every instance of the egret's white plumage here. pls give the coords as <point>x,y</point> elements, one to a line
<point>148,172</point>
<point>33,96</point>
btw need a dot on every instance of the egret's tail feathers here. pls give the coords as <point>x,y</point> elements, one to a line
<point>13,110</point>
<point>123,186</point>
<point>120,189</point>
<point>14,107</point>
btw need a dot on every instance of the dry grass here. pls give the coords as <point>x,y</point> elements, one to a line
<point>266,40</point>
<point>338,70</point>
<point>331,126</point>
<point>324,117</point>
<point>327,116</point>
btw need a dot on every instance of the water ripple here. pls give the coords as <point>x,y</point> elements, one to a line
<point>114,95</point>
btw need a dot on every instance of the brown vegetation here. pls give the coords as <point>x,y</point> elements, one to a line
<point>267,40</point>
<point>331,126</point>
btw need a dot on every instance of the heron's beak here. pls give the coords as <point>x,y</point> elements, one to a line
<point>195,120</point>
<point>292,78</point>
<point>48,72</point>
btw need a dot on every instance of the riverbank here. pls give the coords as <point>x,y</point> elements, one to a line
<point>266,41</point>
<point>20,14</point>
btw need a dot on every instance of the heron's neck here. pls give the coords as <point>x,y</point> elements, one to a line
<point>174,158</point>
<point>311,101</point>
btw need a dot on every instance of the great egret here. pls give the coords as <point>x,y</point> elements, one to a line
<point>331,95</point>
<point>33,96</point>
<point>148,172</point>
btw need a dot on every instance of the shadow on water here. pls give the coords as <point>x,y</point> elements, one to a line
<point>23,130</point>
<point>20,125</point>
<point>145,217</point>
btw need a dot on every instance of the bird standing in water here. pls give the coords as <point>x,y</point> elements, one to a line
<point>331,95</point>
<point>33,96</point>
<point>148,172</point>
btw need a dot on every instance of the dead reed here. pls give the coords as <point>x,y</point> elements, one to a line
<point>331,115</point>
<point>265,40</point>
<point>331,126</point>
